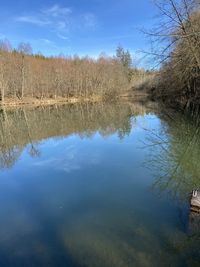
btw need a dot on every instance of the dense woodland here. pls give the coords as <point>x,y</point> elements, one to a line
<point>176,46</point>
<point>24,74</point>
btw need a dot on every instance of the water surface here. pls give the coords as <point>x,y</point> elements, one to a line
<point>98,186</point>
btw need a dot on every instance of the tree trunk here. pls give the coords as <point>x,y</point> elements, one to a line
<point>2,86</point>
<point>23,77</point>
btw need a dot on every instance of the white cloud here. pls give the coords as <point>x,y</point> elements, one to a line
<point>34,20</point>
<point>73,158</point>
<point>89,20</point>
<point>62,37</point>
<point>46,41</point>
<point>62,25</point>
<point>57,11</point>
<point>59,20</point>
<point>55,19</point>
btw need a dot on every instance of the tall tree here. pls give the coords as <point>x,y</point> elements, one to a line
<point>23,49</point>
<point>124,57</point>
<point>5,50</point>
<point>5,45</point>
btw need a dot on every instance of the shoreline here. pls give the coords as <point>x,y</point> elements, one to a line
<point>34,102</point>
<point>9,103</point>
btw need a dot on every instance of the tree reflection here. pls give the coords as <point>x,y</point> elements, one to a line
<point>174,159</point>
<point>8,153</point>
<point>175,154</point>
<point>23,126</point>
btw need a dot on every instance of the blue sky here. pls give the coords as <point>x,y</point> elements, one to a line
<point>83,27</point>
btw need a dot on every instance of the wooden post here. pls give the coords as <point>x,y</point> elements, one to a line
<point>195,201</point>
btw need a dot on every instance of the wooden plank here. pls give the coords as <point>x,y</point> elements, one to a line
<point>195,201</point>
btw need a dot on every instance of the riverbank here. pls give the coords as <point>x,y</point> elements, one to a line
<point>48,101</point>
<point>31,101</point>
<point>178,102</point>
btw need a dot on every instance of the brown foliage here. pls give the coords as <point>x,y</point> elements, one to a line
<point>26,75</point>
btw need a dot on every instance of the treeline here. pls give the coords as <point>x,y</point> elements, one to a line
<point>177,47</point>
<point>24,74</point>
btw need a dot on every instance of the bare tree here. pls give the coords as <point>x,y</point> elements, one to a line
<point>24,74</point>
<point>176,46</point>
<point>23,49</point>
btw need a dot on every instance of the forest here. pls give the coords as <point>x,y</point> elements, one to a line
<point>27,75</point>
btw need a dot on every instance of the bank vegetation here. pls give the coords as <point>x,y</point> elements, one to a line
<point>176,48</point>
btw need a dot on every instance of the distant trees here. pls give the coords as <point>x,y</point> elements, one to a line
<point>23,74</point>
<point>25,49</point>
<point>5,45</point>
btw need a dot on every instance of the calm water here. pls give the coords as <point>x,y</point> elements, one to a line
<point>98,186</point>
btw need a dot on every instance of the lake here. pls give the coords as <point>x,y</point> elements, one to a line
<point>98,185</point>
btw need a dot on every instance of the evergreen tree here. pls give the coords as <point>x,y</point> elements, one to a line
<point>124,57</point>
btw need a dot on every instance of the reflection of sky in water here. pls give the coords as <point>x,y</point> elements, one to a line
<point>89,202</point>
<point>71,153</point>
